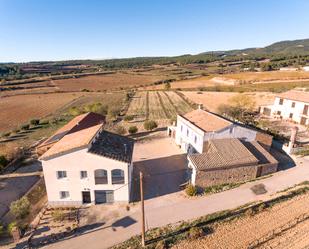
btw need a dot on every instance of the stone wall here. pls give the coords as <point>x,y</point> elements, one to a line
<point>221,176</point>
<point>233,175</point>
<point>267,169</point>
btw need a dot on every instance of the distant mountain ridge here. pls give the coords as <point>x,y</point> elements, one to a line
<point>283,47</point>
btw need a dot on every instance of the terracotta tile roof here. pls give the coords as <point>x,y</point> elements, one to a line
<point>73,141</point>
<point>222,153</point>
<point>259,152</point>
<point>113,146</point>
<point>76,124</point>
<point>295,95</point>
<point>206,121</point>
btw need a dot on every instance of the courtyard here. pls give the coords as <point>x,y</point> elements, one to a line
<point>163,164</point>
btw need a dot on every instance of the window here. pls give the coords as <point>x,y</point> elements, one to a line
<point>195,139</point>
<point>293,104</point>
<point>278,112</point>
<point>100,176</point>
<point>305,111</point>
<point>181,128</point>
<point>117,176</point>
<point>83,174</point>
<point>64,194</point>
<point>281,102</point>
<point>61,174</point>
<point>187,132</point>
<point>291,115</point>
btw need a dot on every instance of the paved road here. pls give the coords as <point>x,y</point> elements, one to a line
<point>174,207</point>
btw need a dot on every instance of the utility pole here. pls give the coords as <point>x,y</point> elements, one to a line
<point>142,205</point>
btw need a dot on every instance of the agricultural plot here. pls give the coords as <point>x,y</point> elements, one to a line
<point>212,100</point>
<point>181,106</point>
<point>285,225</point>
<point>137,106</point>
<point>155,105</point>
<point>156,111</point>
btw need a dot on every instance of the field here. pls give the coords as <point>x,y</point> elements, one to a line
<point>286,225</point>
<point>237,79</point>
<point>16,110</point>
<point>105,82</point>
<point>212,100</point>
<point>260,77</point>
<point>98,82</point>
<point>190,83</point>
<point>161,106</point>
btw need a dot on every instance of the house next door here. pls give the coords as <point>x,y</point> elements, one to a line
<point>104,196</point>
<point>86,197</point>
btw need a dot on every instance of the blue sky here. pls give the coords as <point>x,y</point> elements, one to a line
<point>34,30</point>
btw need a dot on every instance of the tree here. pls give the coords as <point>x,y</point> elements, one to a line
<point>20,208</point>
<point>167,86</point>
<point>241,108</point>
<point>266,67</point>
<point>133,129</point>
<point>34,121</point>
<point>149,125</point>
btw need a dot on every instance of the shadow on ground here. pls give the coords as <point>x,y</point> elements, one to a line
<point>162,176</point>
<point>37,242</point>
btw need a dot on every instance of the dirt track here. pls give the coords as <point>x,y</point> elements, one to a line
<point>252,230</point>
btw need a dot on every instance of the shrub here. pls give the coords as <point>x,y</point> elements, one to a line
<point>120,130</point>
<point>74,111</point>
<point>250,212</point>
<point>58,215</point>
<point>133,129</point>
<point>161,245</point>
<point>12,226</point>
<point>149,125</point>
<point>1,230</point>
<point>191,190</point>
<point>44,122</point>
<point>195,233</point>
<point>25,127</point>
<point>128,118</point>
<point>34,121</point>
<point>6,134</point>
<point>20,208</point>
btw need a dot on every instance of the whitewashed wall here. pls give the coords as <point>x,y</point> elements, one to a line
<point>286,108</point>
<point>75,162</point>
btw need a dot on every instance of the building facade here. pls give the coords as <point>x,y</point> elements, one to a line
<point>292,105</point>
<point>90,165</point>
<point>230,161</point>
<point>198,126</point>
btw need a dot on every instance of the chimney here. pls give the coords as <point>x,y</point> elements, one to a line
<point>293,138</point>
<point>200,106</point>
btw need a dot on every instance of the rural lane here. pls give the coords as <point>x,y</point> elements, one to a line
<point>172,208</point>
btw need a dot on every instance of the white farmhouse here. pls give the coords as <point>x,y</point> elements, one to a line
<point>292,105</point>
<point>90,165</point>
<point>195,128</point>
